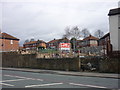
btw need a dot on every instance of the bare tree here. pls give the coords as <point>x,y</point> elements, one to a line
<point>85,33</point>
<point>75,32</point>
<point>99,34</point>
<point>67,33</point>
<point>72,33</point>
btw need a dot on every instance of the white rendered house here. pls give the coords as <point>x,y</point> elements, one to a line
<point>114,27</point>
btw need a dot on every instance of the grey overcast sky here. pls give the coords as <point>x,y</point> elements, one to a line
<point>47,19</point>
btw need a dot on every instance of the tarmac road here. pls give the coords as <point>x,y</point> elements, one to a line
<point>19,79</point>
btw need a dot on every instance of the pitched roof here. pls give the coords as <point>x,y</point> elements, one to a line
<point>114,11</point>
<point>58,40</point>
<point>108,34</point>
<point>7,36</point>
<point>52,41</point>
<point>64,39</point>
<point>90,38</point>
<point>33,42</point>
<point>41,41</point>
<point>20,47</point>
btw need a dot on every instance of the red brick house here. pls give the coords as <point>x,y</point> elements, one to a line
<point>33,45</point>
<point>105,42</point>
<point>8,42</point>
<point>80,43</point>
<point>54,44</point>
<point>89,45</point>
<point>90,41</point>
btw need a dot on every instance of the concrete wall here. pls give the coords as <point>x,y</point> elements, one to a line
<point>113,26</point>
<point>30,61</point>
<point>111,65</point>
<point>67,64</point>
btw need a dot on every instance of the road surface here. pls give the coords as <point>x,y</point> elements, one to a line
<point>19,79</point>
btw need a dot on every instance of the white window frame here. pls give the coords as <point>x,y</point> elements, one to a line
<point>11,41</point>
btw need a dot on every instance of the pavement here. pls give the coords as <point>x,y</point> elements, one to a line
<point>87,74</point>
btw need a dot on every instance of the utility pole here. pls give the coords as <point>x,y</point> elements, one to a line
<point>74,46</point>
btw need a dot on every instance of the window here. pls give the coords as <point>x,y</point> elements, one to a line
<point>11,41</point>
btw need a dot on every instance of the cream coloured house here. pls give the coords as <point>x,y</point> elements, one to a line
<point>114,27</point>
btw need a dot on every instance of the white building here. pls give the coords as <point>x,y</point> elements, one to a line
<point>114,27</point>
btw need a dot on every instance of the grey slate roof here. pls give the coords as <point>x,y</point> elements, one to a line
<point>115,11</point>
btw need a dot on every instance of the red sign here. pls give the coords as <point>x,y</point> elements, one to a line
<point>64,45</point>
